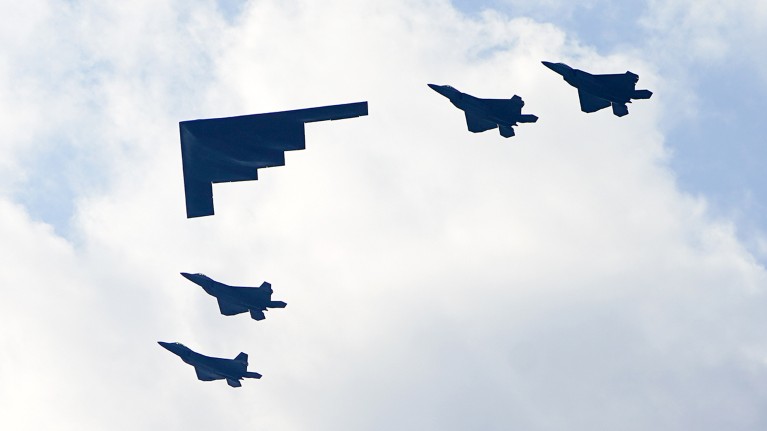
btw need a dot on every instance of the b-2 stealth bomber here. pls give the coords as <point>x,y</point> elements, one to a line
<point>219,150</point>
<point>600,91</point>
<point>486,114</point>
<point>209,368</point>
<point>237,299</point>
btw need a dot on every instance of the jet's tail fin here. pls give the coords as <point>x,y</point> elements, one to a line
<point>257,314</point>
<point>641,94</point>
<point>242,357</point>
<point>277,304</point>
<point>527,118</point>
<point>266,287</point>
<point>506,131</point>
<point>233,383</point>
<point>252,375</point>
<point>620,109</point>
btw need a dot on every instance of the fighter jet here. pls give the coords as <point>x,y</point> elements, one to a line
<point>486,114</point>
<point>209,368</point>
<point>236,299</point>
<point>600,91</point>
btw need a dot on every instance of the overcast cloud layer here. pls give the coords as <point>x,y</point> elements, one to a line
<point>435,279</point>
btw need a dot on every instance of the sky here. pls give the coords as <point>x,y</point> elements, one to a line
<point>592,272</point>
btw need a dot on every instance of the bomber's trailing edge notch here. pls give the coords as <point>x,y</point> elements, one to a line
<point>600,91</point>
<point>219,150</point>
<point>237,299</point>
<point>487,114</point>
<point>209,368</point>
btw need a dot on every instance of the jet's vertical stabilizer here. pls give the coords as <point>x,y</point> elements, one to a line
<point>620,109</point>
<point>506,131</point>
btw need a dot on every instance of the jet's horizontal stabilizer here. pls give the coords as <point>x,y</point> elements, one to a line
<point>641,94</point>
<point>252,375</point>
<point>527,118</point>
<point>277,304</point>
<point>233,383</point>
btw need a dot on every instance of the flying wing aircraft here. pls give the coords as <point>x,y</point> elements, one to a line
<point>219,150</point>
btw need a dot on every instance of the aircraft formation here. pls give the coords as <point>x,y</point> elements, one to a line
<point>233,149</point>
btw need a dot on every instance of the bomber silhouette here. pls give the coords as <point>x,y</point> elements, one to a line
<point>600,91</point>
<point>486,114</point>
<point>209,368</point>
<point>221,150</point>
<point>237,299</point>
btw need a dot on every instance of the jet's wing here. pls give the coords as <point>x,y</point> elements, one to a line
<point>205,375</point>
<point>230,309</point>
<point>477,125</point>
<point>591,103</point>
<point>619,80</point>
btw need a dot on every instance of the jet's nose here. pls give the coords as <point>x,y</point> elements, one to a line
<point>437,88</point>
<point>444,90</point>
<point>560,68</point>
<point>187,275</point>
<point>172,347</point>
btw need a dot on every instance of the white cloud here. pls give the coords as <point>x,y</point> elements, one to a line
<point>436,279</point>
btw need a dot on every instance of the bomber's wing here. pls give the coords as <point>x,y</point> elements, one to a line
<point>623,81</point>
<point>217,150</point>
<point>205,375</point>
<point>591,103</point>
<point>477,124</point>
<point>230,309</point>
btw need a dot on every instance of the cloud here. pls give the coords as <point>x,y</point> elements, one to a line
<point>435,278</point>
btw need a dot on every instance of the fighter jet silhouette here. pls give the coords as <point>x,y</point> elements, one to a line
<point>236,299</point>
<point>600,91</point>
<point>209,368</point>
<point>486,114</point>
